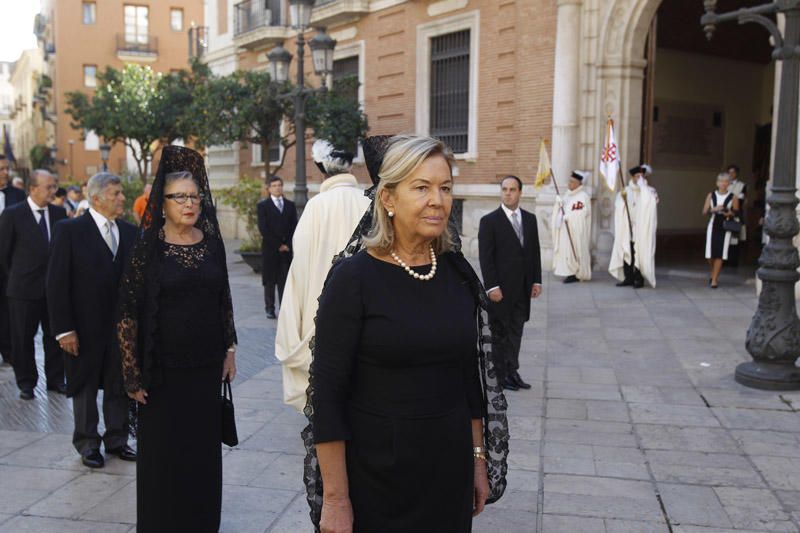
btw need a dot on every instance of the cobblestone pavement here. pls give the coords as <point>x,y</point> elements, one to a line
<point>634,424</point>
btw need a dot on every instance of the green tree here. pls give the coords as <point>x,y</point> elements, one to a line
<point>141,109</point>
<point>244,106</point>
<point>336,116</point>
<point>250,107</point>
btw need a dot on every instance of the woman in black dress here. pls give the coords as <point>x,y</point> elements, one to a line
<point>721,205</point>
<point>397,401</point>
<point>178,342</point>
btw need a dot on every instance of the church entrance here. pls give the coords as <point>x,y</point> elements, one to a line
<point>705,105</point>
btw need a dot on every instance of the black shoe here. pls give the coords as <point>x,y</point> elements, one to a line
<point>125,453</point>
<point>519,382</point>
<point>625,283</point>
<point>510,384</point>
<point>271,315</point>
<point>93,459</point>
<point>26,394</point>
<point>638,284</point>
<point>571,279</point>
<point>61,388</point>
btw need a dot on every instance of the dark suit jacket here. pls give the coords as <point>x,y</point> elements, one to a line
<point>24,252</point>
<point>276,229</point>
<point>13,195</point>
<point>82,286</point>
<point>507,264</point>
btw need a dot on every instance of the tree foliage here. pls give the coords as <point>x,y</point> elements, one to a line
<point>243,198</point>
<point>139,108</point>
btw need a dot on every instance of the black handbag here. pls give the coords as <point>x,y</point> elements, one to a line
<point>229,436</point>
<point>732,225</point>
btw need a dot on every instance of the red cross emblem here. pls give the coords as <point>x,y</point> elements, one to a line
<point>609,153</point>
<point>577,206</point>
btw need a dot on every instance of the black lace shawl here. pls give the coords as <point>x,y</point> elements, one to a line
<point>495,422</point>
<point>137,309</point>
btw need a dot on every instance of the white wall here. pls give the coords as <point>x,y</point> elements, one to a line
<point>744,91</point>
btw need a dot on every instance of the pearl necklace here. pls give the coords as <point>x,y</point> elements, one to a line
<point>417,275</point>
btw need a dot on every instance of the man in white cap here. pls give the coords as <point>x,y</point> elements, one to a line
<point>322,232</point>
<point>572,232</point>
<point>633,257</point>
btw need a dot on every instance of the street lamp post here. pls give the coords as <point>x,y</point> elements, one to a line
<point>279,59</point>
<point>71,166</point>
<point>773,338</point>
<point>105,150</point>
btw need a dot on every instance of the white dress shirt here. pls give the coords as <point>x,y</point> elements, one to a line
<point>2,202</point>
<point>35,208</point>
<point>279,202</point>
<point>101,221</point>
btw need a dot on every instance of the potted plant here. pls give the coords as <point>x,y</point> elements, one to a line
<point>243,198</point>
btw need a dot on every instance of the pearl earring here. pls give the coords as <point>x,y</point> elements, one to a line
<point>390,213</point>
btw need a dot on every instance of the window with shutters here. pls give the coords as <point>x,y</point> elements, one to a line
<point>347,69</point>
<point>449,89</point>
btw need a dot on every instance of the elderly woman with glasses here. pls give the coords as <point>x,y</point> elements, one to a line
<point>178,341</point>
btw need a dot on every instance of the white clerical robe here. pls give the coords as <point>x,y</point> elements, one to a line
<point>568,260</point>
<point>323,230</point>
<point>642,202</point>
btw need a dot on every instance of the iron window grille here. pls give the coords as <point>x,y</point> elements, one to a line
<point>449,86</point>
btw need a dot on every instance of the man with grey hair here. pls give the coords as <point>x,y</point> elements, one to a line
<point>25,234</point>
<point>89,255</point>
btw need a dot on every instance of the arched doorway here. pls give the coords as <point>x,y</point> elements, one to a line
<point>709,104</point>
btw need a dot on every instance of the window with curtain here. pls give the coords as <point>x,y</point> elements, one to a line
<point>137,24</point>
<point>449,85</point>
<point>176,19</point>
<point>89,12</point>
<point>90,75</point>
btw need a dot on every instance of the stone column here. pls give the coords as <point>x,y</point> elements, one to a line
<point>566,89</point>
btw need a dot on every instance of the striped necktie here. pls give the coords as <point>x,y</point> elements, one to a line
<point>517,227</point>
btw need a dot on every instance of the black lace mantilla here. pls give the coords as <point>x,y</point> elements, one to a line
<point>495,421</point>
<point>137,309</point>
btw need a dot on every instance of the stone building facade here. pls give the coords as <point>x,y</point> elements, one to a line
<point>545,69</point>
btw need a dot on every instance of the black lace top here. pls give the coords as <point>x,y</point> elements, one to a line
<point>195,315</point>
<point>192,313</point>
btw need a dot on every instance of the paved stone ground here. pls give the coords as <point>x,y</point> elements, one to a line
<point>634,424</point>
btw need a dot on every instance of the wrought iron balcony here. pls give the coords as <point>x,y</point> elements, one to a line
<point>133,48</point>
<point>332,12</point>
<point>258,23</point>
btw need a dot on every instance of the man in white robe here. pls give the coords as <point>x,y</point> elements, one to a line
<point>323,230</point>
<point>642,202</point>
<point>572,232</point>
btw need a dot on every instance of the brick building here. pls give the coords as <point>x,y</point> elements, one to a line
<point>512,72</point>
<point>491,101</point>
<point>80,38</point>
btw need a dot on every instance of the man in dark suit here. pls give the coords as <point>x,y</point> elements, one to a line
<point>89,255</point>
<point>8,196</point>
<point>277,219</point>
<point>25,234</point>
<point>508,243</point>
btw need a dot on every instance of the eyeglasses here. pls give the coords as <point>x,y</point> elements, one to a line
<point>180,197</point>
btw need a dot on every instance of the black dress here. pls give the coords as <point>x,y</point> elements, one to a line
<point>396,377</point>
<point>718,241</point>
<point>179,468</point>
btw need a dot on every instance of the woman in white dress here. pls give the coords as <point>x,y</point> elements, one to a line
<point>721,205</point>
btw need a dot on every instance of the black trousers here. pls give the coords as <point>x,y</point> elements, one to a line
<point>85,437</point>
<point>5,325</point>
<point>506,347</point>
<point>26,316</point>
<point>279,283</point>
